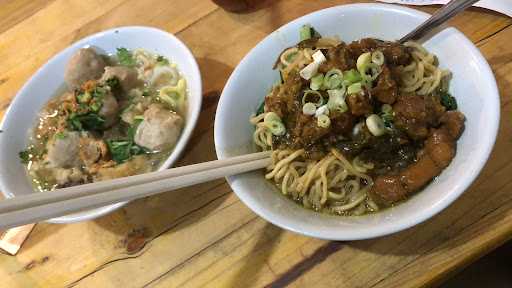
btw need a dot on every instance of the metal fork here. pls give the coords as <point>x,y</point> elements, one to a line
<point>442,15</point>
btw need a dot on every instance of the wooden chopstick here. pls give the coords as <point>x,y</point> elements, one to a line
<point>41,206</point>
<point>62,194</point>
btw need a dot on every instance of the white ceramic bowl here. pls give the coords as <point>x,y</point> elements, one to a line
<point>22,113</point>
<point>473,85</point>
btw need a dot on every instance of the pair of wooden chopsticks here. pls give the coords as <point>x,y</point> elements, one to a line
<point>41,206</point>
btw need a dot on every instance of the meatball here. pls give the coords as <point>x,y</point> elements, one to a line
<point>63,151</point>
<point>85,65</point>
<point>109,109</point>
<point>160,128</point>
<point>127,76</point>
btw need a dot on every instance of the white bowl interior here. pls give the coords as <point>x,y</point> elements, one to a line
<point>473,85</point>
<point>22,113</point>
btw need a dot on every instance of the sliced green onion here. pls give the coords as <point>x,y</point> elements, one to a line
<point>309,109</point>
<point>362,61</point>
<point>317,81</point>
<point>274,124</point>
<point>354,88</point>
<point>333,79</point>
<point>375,125</point>
<point>375,70</point>
<point>378,57</point>
<point>337,100</point>
<point>322,110</point>
<point>309,71</point>
<point>319,57</point>
<point>365,65</point>
<point>323,121</point>
<point>305,32</point>
<point>386,108</point>
<point>351,76</point>
<point>312,93</point>
<point>271,116</point>
<point>291,56</point>
<point>276,128</point>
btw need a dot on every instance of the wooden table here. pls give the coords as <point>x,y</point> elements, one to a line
<point>204,235</point>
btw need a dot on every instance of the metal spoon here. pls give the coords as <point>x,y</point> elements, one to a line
<point>442,15</point>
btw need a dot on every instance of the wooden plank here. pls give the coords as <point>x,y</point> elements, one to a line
<point>203,235</point>
<point>476,23</point>
<point>13,12</point>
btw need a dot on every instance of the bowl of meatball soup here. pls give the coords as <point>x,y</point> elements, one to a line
<point>117,103</point>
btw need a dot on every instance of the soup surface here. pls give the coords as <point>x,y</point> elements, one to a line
<point>119,115</point>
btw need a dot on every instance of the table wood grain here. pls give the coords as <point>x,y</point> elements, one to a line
<point>203,236</point>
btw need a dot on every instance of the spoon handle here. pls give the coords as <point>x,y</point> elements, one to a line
<point>442,15</point>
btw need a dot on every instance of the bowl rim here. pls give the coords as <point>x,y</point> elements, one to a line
<point>398,225</point>
<point>186,134</point>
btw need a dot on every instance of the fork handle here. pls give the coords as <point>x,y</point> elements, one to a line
<point>439,17</point>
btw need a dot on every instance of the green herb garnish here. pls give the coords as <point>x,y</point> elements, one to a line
<point>30,154</point>
<point>146,92</point>
<point>387,118</point>
<point>89,122</point>
<point>261,108</point>
<point>448,101</point>
<point>84,97</point>
<point>95,107</point>
<point>307,32</point>
<point>113,83</point>
<point>125,57</point>
<point>133,128</point>
<point>123,150</point>
<point>25,156</point>
<point>60,135</point>
<point>162,60</point>
<point>98,92</point>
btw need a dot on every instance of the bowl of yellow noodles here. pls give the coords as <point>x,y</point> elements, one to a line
<point>368,136</point>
